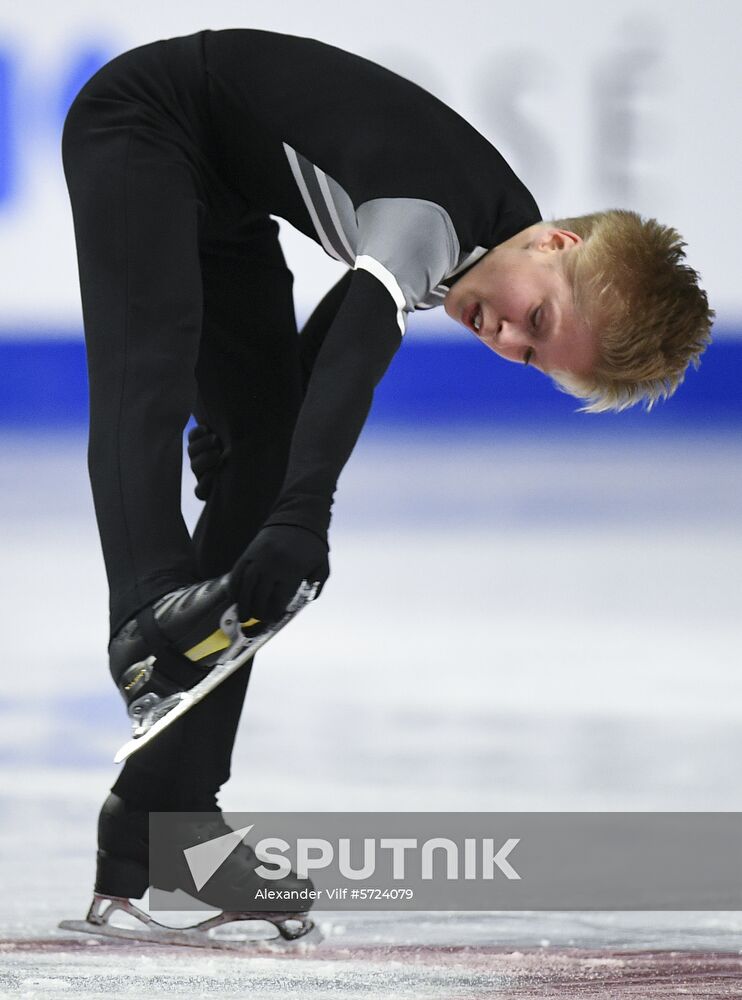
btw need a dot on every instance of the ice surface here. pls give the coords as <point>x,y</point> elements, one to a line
<point>511,623</point>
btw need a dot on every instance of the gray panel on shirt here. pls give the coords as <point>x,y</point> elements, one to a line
<point>413,238</point>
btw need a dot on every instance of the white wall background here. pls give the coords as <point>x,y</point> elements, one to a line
<point>593,105</point>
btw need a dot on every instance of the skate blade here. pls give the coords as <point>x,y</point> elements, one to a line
<point>194,938</point>
<point>291,927</point>
<point>246,650</point>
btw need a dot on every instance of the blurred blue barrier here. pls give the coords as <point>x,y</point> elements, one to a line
<point>430,382</point>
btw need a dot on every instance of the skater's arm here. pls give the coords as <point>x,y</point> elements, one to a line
<point>352,359</point>
<point>404,248</point>
<point>292,544</point>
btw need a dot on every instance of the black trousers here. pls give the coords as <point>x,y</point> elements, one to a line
<point>188,309</point>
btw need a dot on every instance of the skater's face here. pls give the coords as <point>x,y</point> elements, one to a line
<point>523,301</point>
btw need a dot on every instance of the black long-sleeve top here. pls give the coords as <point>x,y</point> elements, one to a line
<point>383,176</point>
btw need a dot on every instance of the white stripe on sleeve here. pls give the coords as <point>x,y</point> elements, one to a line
<point>385,276</point>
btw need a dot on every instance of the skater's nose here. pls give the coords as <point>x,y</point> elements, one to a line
<point>509,340</point>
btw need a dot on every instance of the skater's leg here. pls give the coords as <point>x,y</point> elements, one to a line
<point>250,392</point>
<point>137,210</point>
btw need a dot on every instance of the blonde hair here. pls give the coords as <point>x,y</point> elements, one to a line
<point>629,283</point>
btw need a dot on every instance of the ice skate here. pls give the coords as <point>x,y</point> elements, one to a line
<point>172,654</point>
<point>122,874</point>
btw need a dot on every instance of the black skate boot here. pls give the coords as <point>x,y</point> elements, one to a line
<point>123,860</point>
<point>122,873</point>
<point>172,654</point>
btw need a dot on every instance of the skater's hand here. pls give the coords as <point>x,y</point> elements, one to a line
<point>206,454</point>
<point>268,573</point>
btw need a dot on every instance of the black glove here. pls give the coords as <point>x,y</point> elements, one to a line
<point>206,454</point>
<point>268,573</point>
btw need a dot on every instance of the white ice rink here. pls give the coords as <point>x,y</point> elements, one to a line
<point>513,622</point>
